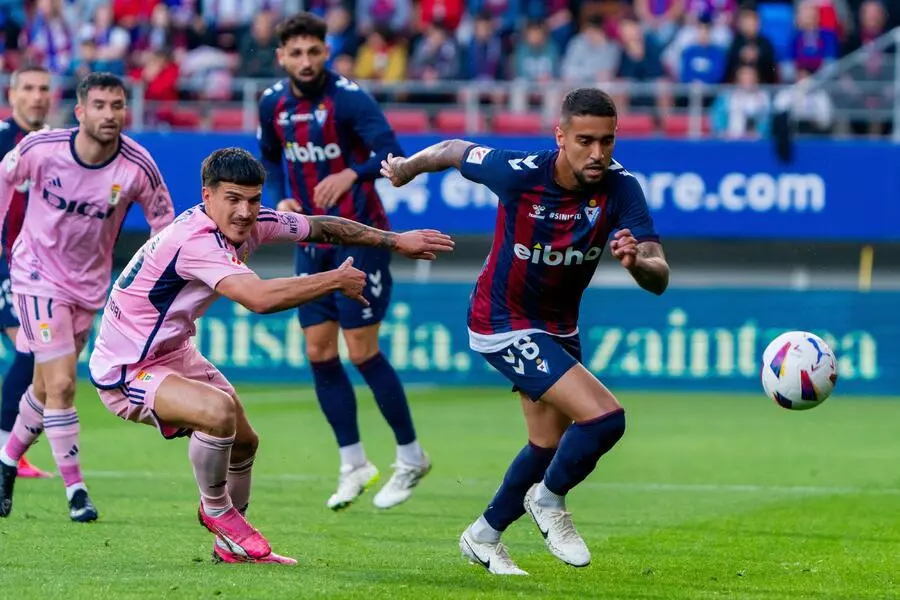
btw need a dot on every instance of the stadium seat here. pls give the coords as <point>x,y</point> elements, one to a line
<point>680,124</point>
<point>408,121</point>
<point>635,125</point>
<point>454,121</point>
<point>518,123</point>
<point>179,117</point>
<point>226,119</point>
<point>5,112</point>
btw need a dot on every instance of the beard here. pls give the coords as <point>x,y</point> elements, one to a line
<point>309,87</point>
<point>586,184</point>
<point>99,135</point>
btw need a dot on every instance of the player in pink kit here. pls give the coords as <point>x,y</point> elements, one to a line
<point>83,181</point>
<point>148,371</point>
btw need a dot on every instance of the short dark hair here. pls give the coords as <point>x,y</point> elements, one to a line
<point>31,68</point>
<point>302,24</point>
<point>99,81</point>
<point>232,165</point>
<point>583,102</point>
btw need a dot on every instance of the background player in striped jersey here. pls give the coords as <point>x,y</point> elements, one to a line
<point>148,371</point>
<point>332,137</point>
<point>557,210</point>
<point>82,183</point>
<point>29,96</point>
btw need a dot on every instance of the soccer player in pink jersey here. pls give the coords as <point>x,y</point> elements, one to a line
<point>82,183</point>
<point>29,96</point>
<point>144,364</point>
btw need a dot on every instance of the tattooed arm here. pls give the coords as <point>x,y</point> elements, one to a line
<point>644,260</point>
<point>337,230</point>
<point>420,243</point>
<point>438,157</point>
<point>650,270</point>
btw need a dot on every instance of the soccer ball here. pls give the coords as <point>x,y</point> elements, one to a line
<point>799,370</point>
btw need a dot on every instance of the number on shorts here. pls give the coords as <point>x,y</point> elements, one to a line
<point>527,348</point>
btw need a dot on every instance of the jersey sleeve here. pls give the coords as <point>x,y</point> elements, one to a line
<point>632,212</point>
<point>155,200</point>
<point>205,257</point>
<point>274,226</point>
<point>15,173</point>
<point>270,150</point>
<point>365,117</point>
<point>502,171</point>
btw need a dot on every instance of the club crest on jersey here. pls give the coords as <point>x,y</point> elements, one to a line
<point>144,376</point>
<point>542,365</point>
<point>46,335</point>
<point>114,194</point>
<point>592,211</point>
<point>321,114</point>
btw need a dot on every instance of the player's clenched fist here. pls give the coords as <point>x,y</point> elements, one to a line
<point>624,248</point>
<point>423,243</point>
<point>351,281</point>
<point>393,169</point>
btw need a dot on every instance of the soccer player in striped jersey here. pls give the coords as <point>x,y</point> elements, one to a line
<point>29,96</point>
<point>82,181</point>
<point>322,140</point>
<point>557,211</point>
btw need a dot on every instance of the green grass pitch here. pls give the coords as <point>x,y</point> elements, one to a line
<point>707,496</point>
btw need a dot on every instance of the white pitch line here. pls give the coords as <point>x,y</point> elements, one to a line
<point>703,488</point>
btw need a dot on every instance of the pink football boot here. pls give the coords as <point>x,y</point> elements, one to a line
<point>29,471</point>
<point>238,535</point>
<point>221,554</point>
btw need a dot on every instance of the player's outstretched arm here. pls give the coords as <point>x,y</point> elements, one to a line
<point>264,296</point>
<point>644,260</point>
<point>438,157</point>
<point>419,243</point>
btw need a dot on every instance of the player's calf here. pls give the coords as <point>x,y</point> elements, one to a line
<point>580,448</point>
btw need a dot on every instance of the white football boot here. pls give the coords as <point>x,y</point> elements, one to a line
<point>352,482</point>
<point>400,486</point>
<point>491,556</point>
<point>555,524</point>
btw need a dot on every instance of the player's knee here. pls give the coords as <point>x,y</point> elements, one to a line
<point>59,390</point>
<point>219,415</point>
<point>361,354</point>
<point>320,351</point>
<point>361,346</point>
<point>244,447</point>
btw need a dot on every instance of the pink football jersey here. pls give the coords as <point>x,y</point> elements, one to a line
<point>75,212</point>
<point>170,283</point>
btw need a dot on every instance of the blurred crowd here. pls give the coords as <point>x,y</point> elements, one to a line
<point>196,48</point>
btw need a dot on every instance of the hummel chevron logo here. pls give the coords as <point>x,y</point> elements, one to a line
<point>375,286</point>
<point>528,161</point>
<point>518,365</point>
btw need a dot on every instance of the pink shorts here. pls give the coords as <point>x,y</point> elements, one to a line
<point>51,328</point>
<point>134,399</point>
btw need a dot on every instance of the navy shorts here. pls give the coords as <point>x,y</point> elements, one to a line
<point>349,314</point>
<point>8,316</point>
<point>534,362</point>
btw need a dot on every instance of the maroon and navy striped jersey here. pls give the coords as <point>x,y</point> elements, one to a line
<point>547,242</point>
<point>10,136</point>
<point>304,139</point>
